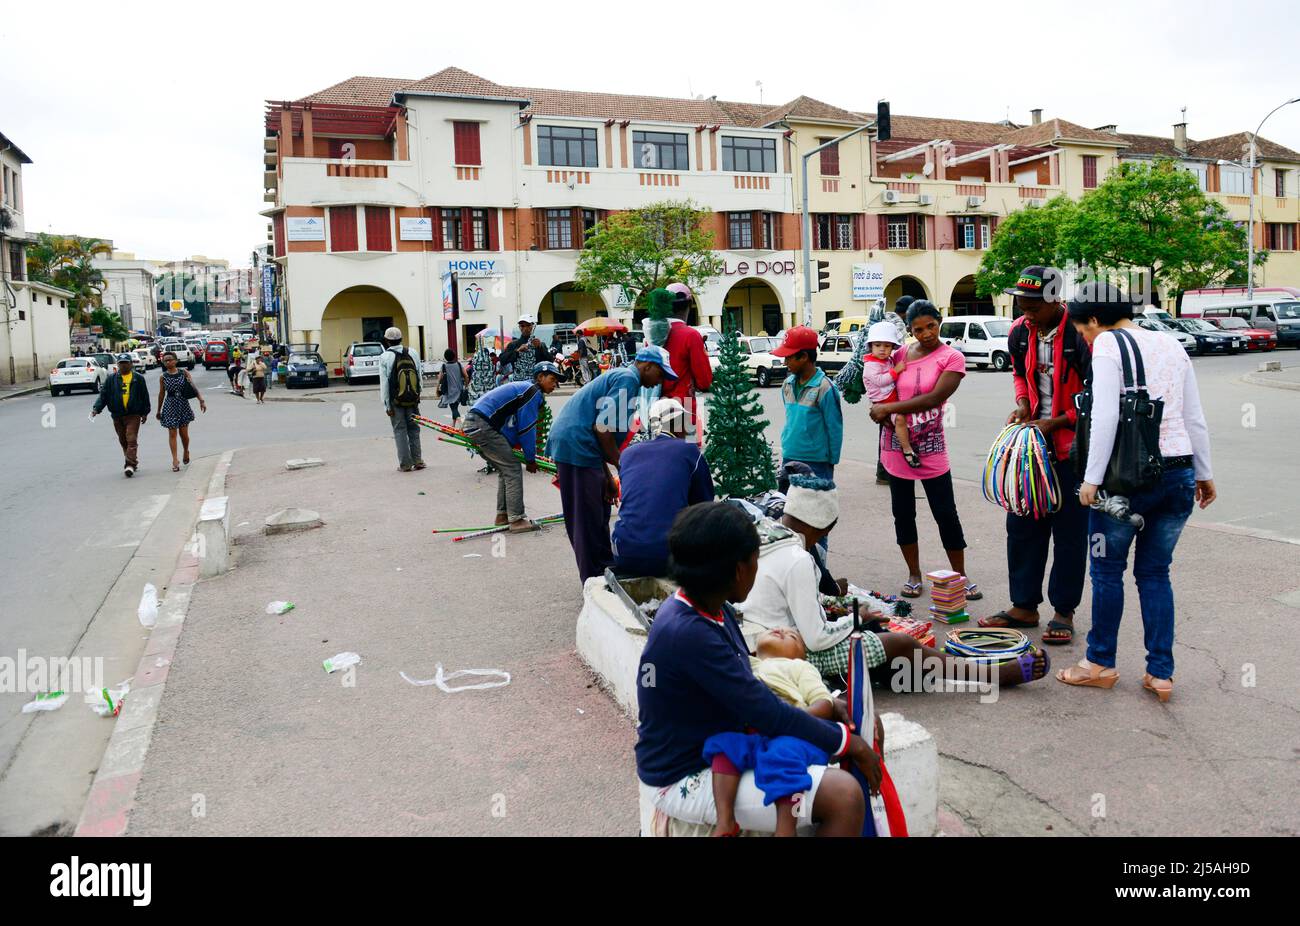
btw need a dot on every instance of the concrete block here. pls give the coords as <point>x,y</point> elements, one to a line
<point>303,463</point>
<point>214,537</point>
<point>292,519</point>
<point>1270,366</point>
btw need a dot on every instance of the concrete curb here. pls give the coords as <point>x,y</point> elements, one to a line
<point>1264,379</point>
<point>112,794</point>
<point>22,392</point>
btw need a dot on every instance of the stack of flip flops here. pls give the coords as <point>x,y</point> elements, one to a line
<point>948,594</point>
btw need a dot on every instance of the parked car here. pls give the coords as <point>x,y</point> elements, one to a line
<point>981,339</point>
<point>1252,338</point>
<point>561,330</point>
<point>196,347</point>
<point>106,360</point>
<point>852,323</point>
<point>144,358</point>
<point>361,360</point>
<point>835,351</point>
<point>1151,323</point>
<point>757,353</point>
<point>217,354</point>
<point>77,373</point>
<point>1273,308</point>
<point>306,368</point>
<point>182,351</point>
<point>1209,340</point>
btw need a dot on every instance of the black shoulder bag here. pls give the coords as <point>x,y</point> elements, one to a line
<point>1135,460</point>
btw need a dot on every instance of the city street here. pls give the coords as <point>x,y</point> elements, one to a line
<point>84,539</point>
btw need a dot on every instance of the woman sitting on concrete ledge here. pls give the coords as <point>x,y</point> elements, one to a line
<point>695,681</point>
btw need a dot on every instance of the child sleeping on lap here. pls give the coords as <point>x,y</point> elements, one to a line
<point>780,764</point>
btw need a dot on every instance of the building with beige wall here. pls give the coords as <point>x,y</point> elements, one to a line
<point>376,187</point>
<point>34,333</point>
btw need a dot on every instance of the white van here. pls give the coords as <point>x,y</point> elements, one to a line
<point>981,339</point>
<point>1272,308</point>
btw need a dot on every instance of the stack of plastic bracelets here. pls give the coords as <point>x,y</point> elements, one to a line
<point>1018,474</point>
<point>993,645</point>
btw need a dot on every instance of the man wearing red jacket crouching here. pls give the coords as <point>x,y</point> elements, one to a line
<point>688,357</point>
<point>1049,362</point>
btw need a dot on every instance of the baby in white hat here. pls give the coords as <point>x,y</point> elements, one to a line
<point>880,380</point>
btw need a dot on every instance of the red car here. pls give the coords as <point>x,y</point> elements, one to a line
<point>216,355</point>
<point>1255,338</point>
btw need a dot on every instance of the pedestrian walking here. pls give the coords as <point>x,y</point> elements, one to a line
<point>126,396</point>
<point>689,358</point>
<point>1121,351</point>
<point>1050,362</point>
<point>175,389</point>
<point>399,388</point>
<point>586,441</point>
<point>932,374</point>
<point>450,385</point>
<point>257,373</point>
<point>507,416</point>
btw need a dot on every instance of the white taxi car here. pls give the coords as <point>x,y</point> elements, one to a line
<point>77,373</point>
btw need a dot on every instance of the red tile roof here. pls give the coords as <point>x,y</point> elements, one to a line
<point>453,81</point>
<point>805,107</point>
<point>926,128</point>
<point>1048,132</point>
<point>361,91</point>
<point>1235,147</point>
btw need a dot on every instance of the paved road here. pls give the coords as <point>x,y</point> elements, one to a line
<point>74,522</point>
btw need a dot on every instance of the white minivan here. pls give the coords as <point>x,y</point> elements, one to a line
<point>981,339</point>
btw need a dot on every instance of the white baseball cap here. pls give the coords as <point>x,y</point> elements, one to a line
<point>528,318</point>
<point>883,331</point>
<point>393,334</point>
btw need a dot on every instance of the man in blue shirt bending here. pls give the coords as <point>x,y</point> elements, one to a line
<point>502,418</point>
<point>586,440</point>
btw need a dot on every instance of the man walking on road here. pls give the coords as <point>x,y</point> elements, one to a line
<point>399,388</point>
<point>126,396</point>
<point>504,417</point>
<point>1050,361</point>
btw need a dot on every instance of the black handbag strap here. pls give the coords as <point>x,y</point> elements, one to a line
<point>1125,340</point>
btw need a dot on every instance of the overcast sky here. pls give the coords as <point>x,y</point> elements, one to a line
<point>144,120</point>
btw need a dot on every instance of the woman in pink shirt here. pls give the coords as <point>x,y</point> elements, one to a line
<point>931,374</point>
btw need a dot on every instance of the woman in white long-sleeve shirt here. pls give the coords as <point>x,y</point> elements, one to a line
<point>1187,479</point>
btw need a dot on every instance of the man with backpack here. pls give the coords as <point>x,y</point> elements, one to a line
<point>1050,361</point>
<point>399,388</point>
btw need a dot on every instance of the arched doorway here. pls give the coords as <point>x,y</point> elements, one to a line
<point>567,303</point>
<point>965,302</point>
<point>754,307</point>
<point>362,313</point>
<point>904,286</point>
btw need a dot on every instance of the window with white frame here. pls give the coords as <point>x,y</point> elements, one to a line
<point>1234,180</point>
<point>844,232</point>
<point>740,230</point>
<point>898,237</point>
<point>972,232</point>
<point>559,229</point>
<point>1199,171</point>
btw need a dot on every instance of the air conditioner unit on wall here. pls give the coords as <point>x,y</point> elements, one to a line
<point>889,196</point>
<point>974,202</point>
<point>925,199</point>
<point>1035,202</point>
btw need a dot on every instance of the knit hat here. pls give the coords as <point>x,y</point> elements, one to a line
<point>813,500</point>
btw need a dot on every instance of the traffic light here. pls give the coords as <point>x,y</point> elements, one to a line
<point>882,121</point>
<point>823,275</point>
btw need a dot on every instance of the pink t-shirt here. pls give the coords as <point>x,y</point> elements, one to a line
<point>924,428</point>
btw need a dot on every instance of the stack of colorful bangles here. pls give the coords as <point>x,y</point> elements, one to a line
<point>1018,475</point>
<point>993,646</point>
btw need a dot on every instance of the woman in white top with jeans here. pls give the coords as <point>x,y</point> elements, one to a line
<point>1187,479</point>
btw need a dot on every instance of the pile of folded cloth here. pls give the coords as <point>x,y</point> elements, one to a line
<point>948,594</point>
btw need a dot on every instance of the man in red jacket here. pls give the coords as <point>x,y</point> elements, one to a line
<point>686,355</point>
<point>1049,361</point>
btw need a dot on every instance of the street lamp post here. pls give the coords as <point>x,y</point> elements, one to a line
<point>807,220</point>
<point>1250,221</point>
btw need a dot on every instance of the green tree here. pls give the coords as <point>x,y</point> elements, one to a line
<point>1154,217</point>
<point>186,287</point>
<point>648,248</point>
<point>67,261</point>
<point>114,329</point>
<point>739,455</point>
<point>1022,239</point>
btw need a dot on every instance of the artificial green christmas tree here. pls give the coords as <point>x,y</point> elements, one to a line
<point>543,427</point>
<point>739,455</point>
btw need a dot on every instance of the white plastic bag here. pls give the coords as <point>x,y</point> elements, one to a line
<point>441,680</point>
<point>148,610</point>
<point>279,607</point>
<point>341,661</point>
<point>107,702</point>
<point>46,701</point>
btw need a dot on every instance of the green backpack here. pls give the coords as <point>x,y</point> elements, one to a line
<point>404,381</point>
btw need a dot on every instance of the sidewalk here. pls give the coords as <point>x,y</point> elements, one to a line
<point>252,724</point>
<point>1286,378</point>
<point>15,390</point>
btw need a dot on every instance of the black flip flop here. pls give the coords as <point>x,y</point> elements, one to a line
<point>1008,620</point>
<point>1058,626</point>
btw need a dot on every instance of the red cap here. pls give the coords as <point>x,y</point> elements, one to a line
<point>796,339</point>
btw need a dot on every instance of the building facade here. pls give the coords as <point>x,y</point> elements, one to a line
<point>377,187</point>
<point>34,333</point>
<point>129,290</point>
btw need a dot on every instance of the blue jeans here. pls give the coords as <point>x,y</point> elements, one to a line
<point>1166,509</point>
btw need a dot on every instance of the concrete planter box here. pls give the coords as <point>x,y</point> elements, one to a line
<point>610,640</point>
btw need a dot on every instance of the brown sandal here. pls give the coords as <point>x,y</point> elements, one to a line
<point>1087,675</point>
<point>1164,694</point>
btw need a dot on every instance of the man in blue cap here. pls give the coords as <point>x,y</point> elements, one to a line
<point>126,396</point>
<point>586,440</point>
